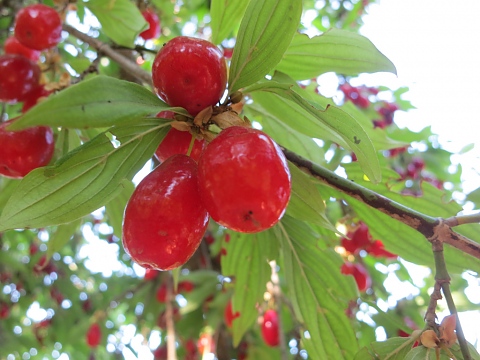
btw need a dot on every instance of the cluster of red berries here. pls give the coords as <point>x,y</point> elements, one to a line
<point>37,28</point>
<point>241,179</point>
<point>360,97</point>
<point>361,240</point>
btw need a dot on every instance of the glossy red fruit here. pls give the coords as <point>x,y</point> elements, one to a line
<point>244,180</point>
<point>32,97</point>
<point>164,219</point>
<point>153,21</point>
<point>18,76</point>
<point>190,73</point>
<point>178,142</point>
<point>24,150</point>
<point>359,272</point>
<point>38,27</point>
<point>13,46</point>
<point>94,335</point>
<point>228,314</point>
<point>270,331</point>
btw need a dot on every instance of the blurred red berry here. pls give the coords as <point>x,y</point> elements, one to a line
<point>154,25</point>
<point>13,46</point>
<point>94,335</point>
<point>270,330</point>
<point>185,286</point>
<point>360,274</point>
<point>151,274</point>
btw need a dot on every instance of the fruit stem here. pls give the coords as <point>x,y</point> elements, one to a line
<point>171,347</point>
<point>277,296</point>
<point>443,278</point>
<point>190,147</point>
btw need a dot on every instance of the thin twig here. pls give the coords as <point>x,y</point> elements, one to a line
<point>171,346</point>
<point>125,63</point>
<point>277,296</point>
<point>463,219</point>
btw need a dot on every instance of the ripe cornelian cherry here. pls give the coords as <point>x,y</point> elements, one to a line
<point>13,46</point>
<point>31,98</point>
<point>244,180</point>
<point>18,76</point>
<point>94,335</point>
<point>190,73</point>
<point>270,331</point>
<point>178,142</point>
<point>38,27</point>
<point>152,19</point>
<point>164,219</point>
<point>24,150</point>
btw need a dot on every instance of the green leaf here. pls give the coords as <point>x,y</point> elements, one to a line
<point>101,101</point>
<point>246,262</point>
<point>310,119</point>
<point>266,31</point>
<point>283,134</point>
<point>61,236</point>
<point>7,188</point>
<point>226,14</point>
<point>337,50</point>
<point>83,180</point>
<point>115,208</point>
<point>120,19</point>
<point>306,203</point>
<point>421,353</point>
<point>395,348</point>
<point>319,292</point>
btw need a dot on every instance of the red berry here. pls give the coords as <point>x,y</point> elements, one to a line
<point>161,293</point>
<point>185,286</point>
<point>360,239</point>
<point>32,97</point>
<point>190,73</point>
<point>13,46</point>
<point>38,27</point>
<point>152,19</point>
<point>361,275</point>
<point>244,180</point>
<point>161,353</point>
<point>228,314</point>
<point>150,274</point>
<point>18,76</point>
<point>94,335</point>
<point>270,331</point>
<point>164,220</point>
<point>178,142</point>
<point>4,310</point>
<point>24,150</point>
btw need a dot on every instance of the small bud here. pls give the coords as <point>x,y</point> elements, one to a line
<point>236,97</point>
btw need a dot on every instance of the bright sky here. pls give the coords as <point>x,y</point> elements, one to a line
<point>435,46</point>
<point>436,49</point>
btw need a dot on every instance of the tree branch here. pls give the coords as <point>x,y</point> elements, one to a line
<point>125,63</point>
<point>432,228</point>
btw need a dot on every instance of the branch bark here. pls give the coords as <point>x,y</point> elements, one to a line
<point>125,63</point>
<point>432,228</point>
